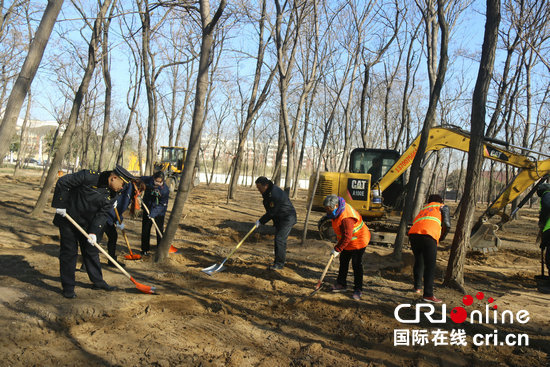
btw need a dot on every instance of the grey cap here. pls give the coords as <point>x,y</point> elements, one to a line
<point>123,174</point>
<point>330,201</point>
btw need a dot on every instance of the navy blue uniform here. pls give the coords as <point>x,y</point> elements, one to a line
<point>88,199</point>
<point>122,203</point>
<point>156,200</point>
<point>279,209</point>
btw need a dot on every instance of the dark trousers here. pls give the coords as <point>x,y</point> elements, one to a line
<point>356,257</point>
<point>424,249</point>
<point>545,242</point>
<point>146,224</point>
<point>71,239</point>
<point>112,238</point>
<point>282,230</point>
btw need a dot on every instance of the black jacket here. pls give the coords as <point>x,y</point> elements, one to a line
<point>277,206</point>
<point>445,221</point>
<point>87,197</point>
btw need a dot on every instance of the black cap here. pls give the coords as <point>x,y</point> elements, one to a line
<point>123,174</point>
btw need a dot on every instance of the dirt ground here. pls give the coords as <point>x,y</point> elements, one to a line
<point>248,315</point>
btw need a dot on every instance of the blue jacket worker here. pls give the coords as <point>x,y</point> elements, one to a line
<point>124,200</point>
<point>156,199</point>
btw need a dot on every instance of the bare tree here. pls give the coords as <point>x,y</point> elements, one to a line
<point>77,102</point>
<point>428,123</point>
<point>208,24</point>
<point>255,101</point>
<point>454,276</point>
<point>28,71</point>
<point>106,67</point>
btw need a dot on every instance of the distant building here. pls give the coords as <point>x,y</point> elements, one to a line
<point>34,140</point>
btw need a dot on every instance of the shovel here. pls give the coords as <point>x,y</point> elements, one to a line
<point>132,256</point>
<point>317,287</point>
<point>216,268</point>
<point>141,287</point>
<point>172,249</point>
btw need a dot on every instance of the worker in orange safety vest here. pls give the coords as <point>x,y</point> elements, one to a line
<point>430,226</point>
<point>353,237</point>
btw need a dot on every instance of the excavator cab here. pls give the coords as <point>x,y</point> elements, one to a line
<point>377,162</point>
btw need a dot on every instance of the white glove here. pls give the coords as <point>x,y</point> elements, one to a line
<point>115,204</point>
<point>334,253</point>
<point>120,226</point>
<point>258,223</point>
<point>62,212</point>
<point>92,239</point>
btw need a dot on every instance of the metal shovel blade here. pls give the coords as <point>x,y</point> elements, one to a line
<point>213,269</point>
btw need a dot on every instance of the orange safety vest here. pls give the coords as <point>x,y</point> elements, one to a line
<point>361,233</point>
<point>428,221</point>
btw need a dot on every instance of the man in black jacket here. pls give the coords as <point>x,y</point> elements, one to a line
<point>279,209</point>
<point>544,221</point>
<point>87,196</point>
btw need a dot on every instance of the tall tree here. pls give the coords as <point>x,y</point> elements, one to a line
<point>258,95</point>
<point>208,24</point>
<point>454,276</point>
<point>77,103</point>
<point>429,121</point>
<point>28,71</point>
<point>106,66</point>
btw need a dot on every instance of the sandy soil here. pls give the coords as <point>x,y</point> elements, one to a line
<point>248,315</point>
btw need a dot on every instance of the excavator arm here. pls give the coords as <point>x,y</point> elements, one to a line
<point>455,138</point>
<point>483,237</point>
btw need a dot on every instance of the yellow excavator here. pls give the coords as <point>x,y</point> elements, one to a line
<point>171,163</point>
<point>374,184</point>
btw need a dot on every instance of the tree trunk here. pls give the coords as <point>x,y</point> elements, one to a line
<point>428,123</point>
<point>71,125</point>
<point>26,76</point>
<point>186,182</point>
<point>454,276</point>
<point>108,89</point>
<point>22,140</point>
<point>254,104</point>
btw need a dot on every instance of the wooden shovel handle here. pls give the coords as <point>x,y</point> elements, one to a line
<point>324,272</point>
<point>123,232</point>
<point>97,245</point>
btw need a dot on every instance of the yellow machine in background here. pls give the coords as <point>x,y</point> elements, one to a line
<point>171,163</point>
<point>374,184</point>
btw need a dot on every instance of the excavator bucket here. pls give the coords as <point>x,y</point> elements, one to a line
<point>485,239</point>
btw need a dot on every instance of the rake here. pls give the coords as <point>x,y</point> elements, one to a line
<point>216,268</point>
<point>141,287</point>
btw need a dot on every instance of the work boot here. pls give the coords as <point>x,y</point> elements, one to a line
<point>338,288</point>
<point>69,293</point>
<point>103,285</point>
